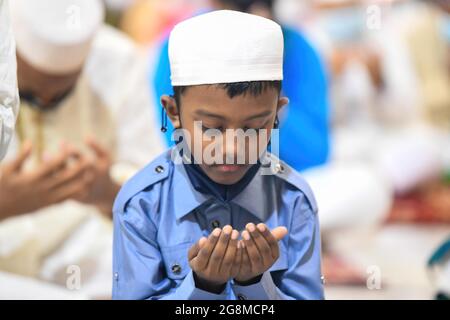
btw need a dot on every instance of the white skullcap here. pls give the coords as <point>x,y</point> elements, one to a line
<point>225,46</point>
<point>55,35</point>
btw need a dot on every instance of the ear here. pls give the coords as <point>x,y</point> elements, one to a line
<point>282,101</point>
<point>170,105</point>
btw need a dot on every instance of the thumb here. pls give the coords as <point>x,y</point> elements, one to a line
<point>194,250</point>
<point>279,233</point>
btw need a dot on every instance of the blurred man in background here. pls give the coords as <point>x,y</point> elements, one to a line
<point>429,43</point>
<point>9,98</point>
<point>304,130</point>
<point>85,127</point>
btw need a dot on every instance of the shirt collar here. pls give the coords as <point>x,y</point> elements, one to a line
<point>256,198</point>
<point>186,198</point>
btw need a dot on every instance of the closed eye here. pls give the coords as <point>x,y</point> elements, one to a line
<point>263,126</point>
<point>204,129</point>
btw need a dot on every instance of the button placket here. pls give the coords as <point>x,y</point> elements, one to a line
<point>217,215</point>
<point>215,224</point>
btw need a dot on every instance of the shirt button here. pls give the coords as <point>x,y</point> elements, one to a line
<point>215,224</point>
<point>241,297</point>
<point>159,169</point>
<point>322,279</point>
<point>176,268</point>
<point>116,276</point>
<point>279,168</point>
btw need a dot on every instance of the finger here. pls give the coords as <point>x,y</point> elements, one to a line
<point>72,185</point>
<point>218,254</point>
<point>24,153</point>
<point>78,171</point>
<point>246,265</point>
<point>53,165</point>
<point>279,233</point>
<point>202,242</point>
<point>252,251</point>
<point>98,149</point>
<point>194,250</point>
<point>201,260</point>
<point>270,239</point>
<point>68,191</point>
<point>261,243</point>
<point>64,149</point>
<point>230,254</point>
<point>237,261</point>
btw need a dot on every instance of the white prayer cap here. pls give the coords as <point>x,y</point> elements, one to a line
<point>55,35</point>
<point>225,46</point>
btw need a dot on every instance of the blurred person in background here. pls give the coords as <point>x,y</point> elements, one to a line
<point>115,10</point>
<point>149,21</point>
<point>85,126</point>
<point>429,43</point>
<point>391,88</point>
<point>304,130</point>
<point>413,94</point>
<point>389,80</point>
<point>9,98</point>
<point>390,124</point>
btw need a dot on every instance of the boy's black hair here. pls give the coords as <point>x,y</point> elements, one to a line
<point>244,5</point>
<point>254,88</point>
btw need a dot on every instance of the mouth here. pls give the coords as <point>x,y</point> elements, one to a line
<point>228,168</point>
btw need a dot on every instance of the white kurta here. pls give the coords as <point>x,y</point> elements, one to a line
<point>9,98</point>
<point>111,102</point>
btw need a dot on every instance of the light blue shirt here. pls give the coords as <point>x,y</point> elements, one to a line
<point>158,216</point>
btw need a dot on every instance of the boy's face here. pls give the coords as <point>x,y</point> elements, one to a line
<point>212,106</point>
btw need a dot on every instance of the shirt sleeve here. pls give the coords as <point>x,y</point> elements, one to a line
<point>138,267</point>
<point>302,280</point>
<point>9,97</point>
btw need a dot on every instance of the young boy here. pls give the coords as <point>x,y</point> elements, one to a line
<point>220,229</point>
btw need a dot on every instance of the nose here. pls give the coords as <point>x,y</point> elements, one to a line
<point>238,150</point>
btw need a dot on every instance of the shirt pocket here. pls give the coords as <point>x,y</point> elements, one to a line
<point>175,260</point>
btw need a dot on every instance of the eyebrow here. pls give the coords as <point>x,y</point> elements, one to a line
<point>220,117</point>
